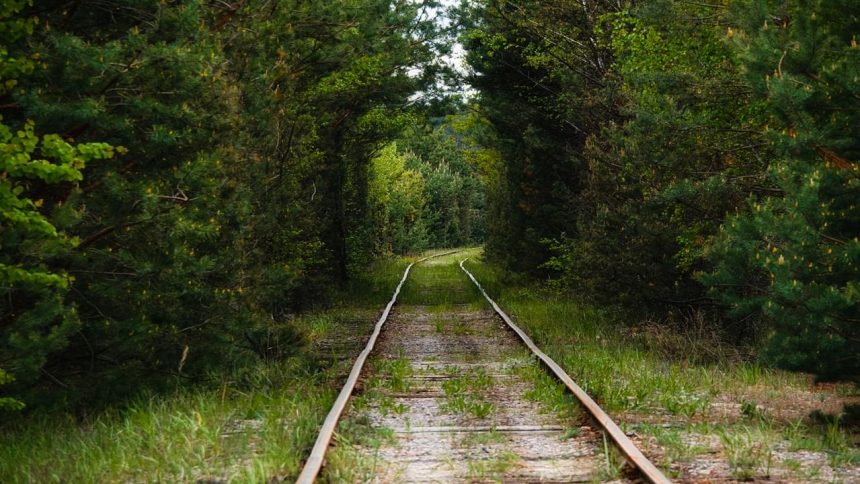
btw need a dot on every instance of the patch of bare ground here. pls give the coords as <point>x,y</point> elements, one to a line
<point>757,425</point>
<point>760,432</point>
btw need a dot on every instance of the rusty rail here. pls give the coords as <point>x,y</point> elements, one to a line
<point>627,447</point>
<point>317,457</point>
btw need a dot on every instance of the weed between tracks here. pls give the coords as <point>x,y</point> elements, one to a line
<point>695,417</point>
<point>437,286</point>
<point>491,437</point>
<point>465,393</point>
<point>492,468</point>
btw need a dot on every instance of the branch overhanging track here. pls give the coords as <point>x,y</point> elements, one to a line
<point>627,447</point>
<point>631,453</point>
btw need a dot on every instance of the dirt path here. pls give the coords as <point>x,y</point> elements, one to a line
<point>455,398</point>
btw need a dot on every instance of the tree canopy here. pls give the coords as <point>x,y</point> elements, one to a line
<point>180,179</point>
<point>680,159</point>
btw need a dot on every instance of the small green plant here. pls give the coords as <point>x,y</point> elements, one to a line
<point>465,393</point>
<point>797,434</point>
<point>448,324</point>
<point>439,324</point>
<point>545,389</point>
<point>490,437</point>
<point>493,468</point>
<point>834,438</point>
<point>612,459</point>
<point>481,409</point>
<point>685,404</point>
<point>457,403</point>
<point>459,328</point>
<point>793,464</point>
<point>749,452</point>
<point>396,374</point>
<point>387,405</point>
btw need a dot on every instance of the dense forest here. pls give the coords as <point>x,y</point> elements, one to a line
<point>180,178</point>
<point>686,161</point>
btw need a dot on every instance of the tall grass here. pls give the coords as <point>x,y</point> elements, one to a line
<point>620,371</point>
<point>238,434</point>
<point>250,424</point>
<point>373,285</point>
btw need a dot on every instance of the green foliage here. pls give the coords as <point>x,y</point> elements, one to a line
<point>694,161</point>
<point>41,318</point>
<point>8,403</point>
<point>428,193</point>
<point>240,200</point>
<point>540,78</point>
<point>454,190</point>
<point>661,182</point>
<point>148,290</point>
<point>36,317</point>
<point>398,204</point>
<point>793,259</point>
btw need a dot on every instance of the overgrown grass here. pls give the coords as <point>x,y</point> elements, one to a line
<point>637,379</point>
<point>346,462</point>
<point>251,424</point>
<point>237,433</point>
<point>440,282</point>
<point>550,392</point>
<point>373,285</point>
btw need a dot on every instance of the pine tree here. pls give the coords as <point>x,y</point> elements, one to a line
<point>661,180</point>
<point>794,259</point>
<point>540,75</point>
<point>249,129</point>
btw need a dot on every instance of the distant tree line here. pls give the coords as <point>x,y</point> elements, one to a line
<point>682,157</point>
<point>425,190</point>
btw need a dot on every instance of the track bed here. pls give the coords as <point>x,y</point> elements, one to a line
<point>461,409</point>
<point>449,389</point>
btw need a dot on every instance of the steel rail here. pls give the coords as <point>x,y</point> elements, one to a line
<point>317,457</point>
<point>628,448</point>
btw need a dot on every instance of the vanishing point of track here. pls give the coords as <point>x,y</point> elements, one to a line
<point>550,456</point>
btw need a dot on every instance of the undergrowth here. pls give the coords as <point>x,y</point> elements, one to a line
<point>641,373</point>
<point>247,424</point>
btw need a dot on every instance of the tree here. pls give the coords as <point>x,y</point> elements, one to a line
<point>540,77</point>
<point>455,193</point>
<point>398,204</point>
<point>36,316</point>
<point>793,259</point>
<point>241,199</point>
<point>661,180</point>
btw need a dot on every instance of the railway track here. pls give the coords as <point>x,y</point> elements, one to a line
<point>454,381</point>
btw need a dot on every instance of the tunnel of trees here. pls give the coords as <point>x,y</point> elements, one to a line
<point>183,176</point>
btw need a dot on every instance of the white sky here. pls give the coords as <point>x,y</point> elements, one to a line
<point>457,58</point>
